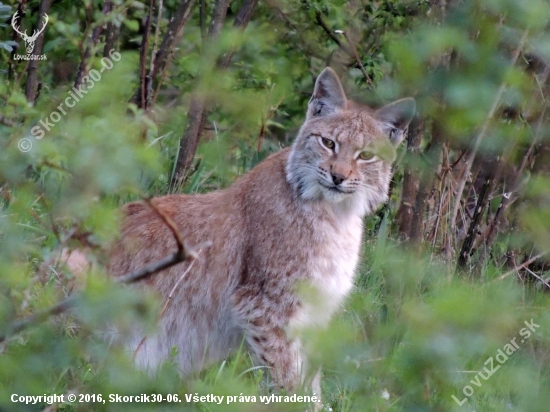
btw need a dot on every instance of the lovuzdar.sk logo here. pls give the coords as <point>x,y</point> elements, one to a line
<point>29,40</point>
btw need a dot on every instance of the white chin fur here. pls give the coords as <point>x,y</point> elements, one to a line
<point>333,196</point>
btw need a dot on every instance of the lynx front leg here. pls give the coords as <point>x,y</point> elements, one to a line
<point>271,346</point>
<point>285,360</point>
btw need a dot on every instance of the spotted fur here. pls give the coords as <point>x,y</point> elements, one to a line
<point>295,219</point>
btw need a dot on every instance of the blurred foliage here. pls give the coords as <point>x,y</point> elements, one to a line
<point>417,329</point>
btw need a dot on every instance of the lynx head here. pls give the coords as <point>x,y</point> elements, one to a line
<point>344,151</point>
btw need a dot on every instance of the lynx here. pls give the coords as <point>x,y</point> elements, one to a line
<point>295,219</point>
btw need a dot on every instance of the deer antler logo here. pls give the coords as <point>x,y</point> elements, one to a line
<point>29,40</point>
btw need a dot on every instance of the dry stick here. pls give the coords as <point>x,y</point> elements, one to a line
<point>410,180</point>
<point>181,255</point>
<point>522,266</point>
<point>168,299</point>
<point>144,48</point>
<point>443,184</point>
<point>70,301</point>
<point>171,225</point>
<point>358,60</point>
<point>153,56</point>
<point>481,203</point>
<point>332,34</point>
<point>32,76</point>
<point>350,51</point>
<point>538,277</point>
<point>480,136</point>
<point>175,26</point>
<point>21,325</point>
<point>426,178</point>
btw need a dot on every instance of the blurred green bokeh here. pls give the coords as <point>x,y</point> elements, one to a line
<point>416,330</point>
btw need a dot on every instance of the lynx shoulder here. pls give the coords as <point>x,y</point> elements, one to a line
<point>294,219</point>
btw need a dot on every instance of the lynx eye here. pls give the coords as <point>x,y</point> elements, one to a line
<point>328,143</point>
<point>366,155</point>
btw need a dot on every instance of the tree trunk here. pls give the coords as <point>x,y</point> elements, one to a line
<point>94,38</point>
<point>410,180</point>
<point>167,46</point>
<point>427,176</point>
<point>197,114</point>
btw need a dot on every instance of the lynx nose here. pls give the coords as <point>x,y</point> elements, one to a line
<point>337,178</point>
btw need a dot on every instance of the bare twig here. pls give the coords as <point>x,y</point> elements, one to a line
<point>410,180</point>
<point>349,49</point>
<point>66,304</point>
<point>153,56</point>
<point>167,302</point>
<point>144,48</point>
<point>355,55</point>
<point>168,58</point>
<point>481,203</point>
<point>332,34</point>
<point>175,26</point>
<point>170,223</point>
<point>522,266</point>
<point>20,325</point>
<point>538,277</point>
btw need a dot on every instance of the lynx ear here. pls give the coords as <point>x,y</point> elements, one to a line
<point>328,96</point>
<point>395,118</point>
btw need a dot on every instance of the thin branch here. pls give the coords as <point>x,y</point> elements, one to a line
<point>21,325</point>
<point>481,203</point>
<point>144,48</point>
<point>350,50</point>
<point>522,266</point>
<point>166,303</point>
<point>410,179</point>
<point>175,26</point>
<point>153,58</point>
<point>332,34</point>
<point>166,64</point>
<point>66,304</point>
<point>538,277</point>
<point>357,59</point>
<point>172,226</point>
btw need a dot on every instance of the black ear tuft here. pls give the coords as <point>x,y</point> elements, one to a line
<point>395,118</point>
<point>328,96</point>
